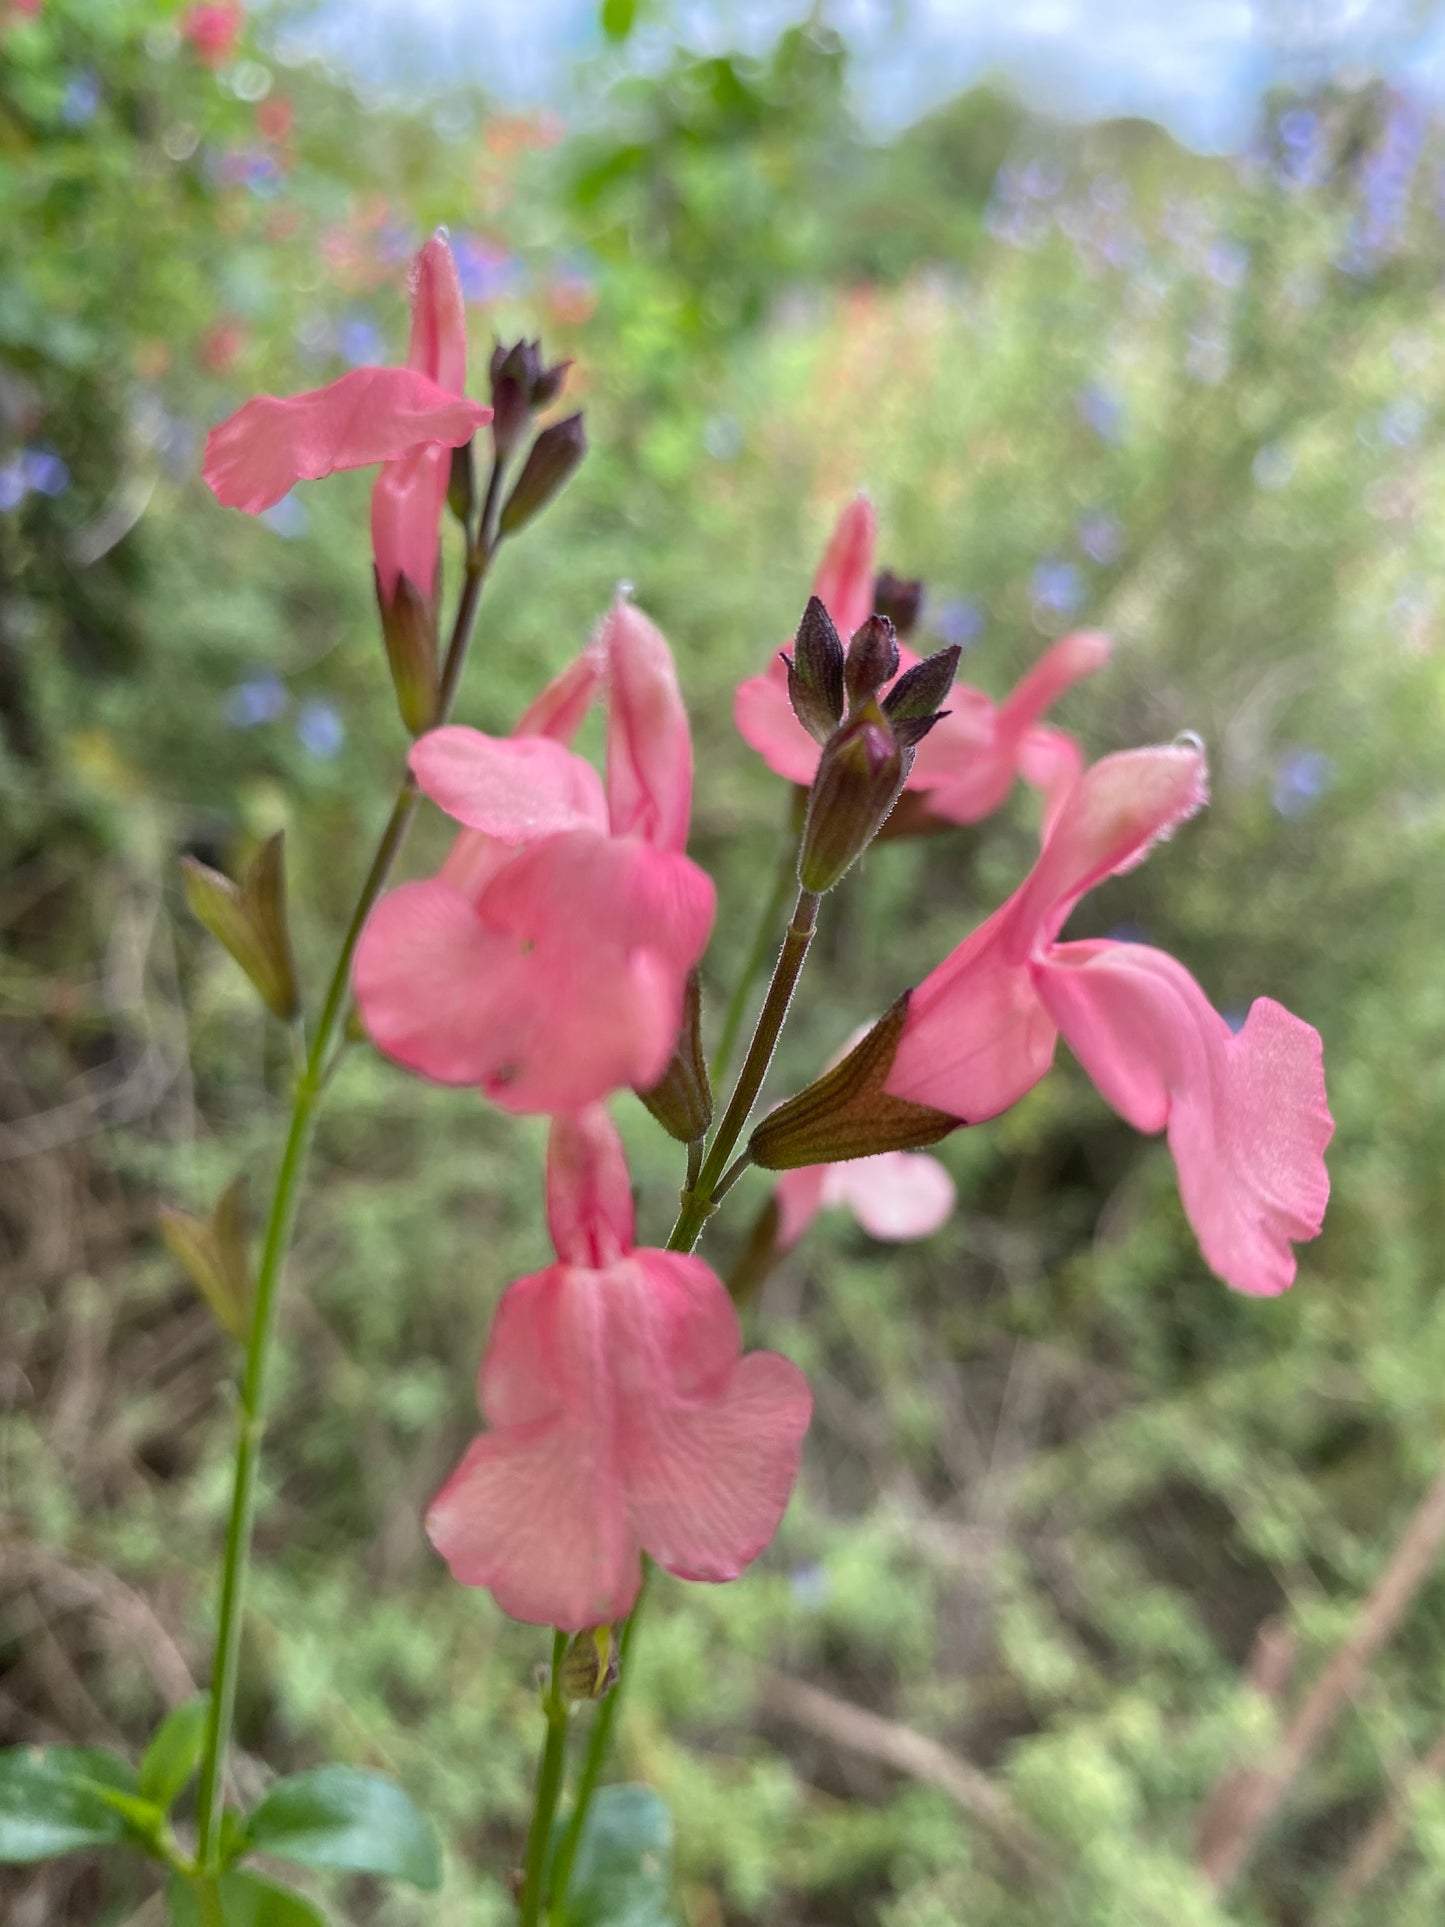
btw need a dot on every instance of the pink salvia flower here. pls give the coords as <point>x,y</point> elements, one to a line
<point>896,1196</point>
<point>409,418</point>
<point>409,498</point>
<point>1246,1114</point>
<point>966,766</point>
<point>547,961</point>
<point>623,1417</point>
<point>649,745</point>
<point>213,27</point>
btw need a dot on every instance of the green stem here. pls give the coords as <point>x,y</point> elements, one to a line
<point>596,1756</point>
<point>305,1103</point>
<point>757,958</point>
<point>208,1898</point>
<point>549,1787</point>
<point>699,1199</point>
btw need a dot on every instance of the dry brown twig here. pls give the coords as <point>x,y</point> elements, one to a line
<point>1228,1845</point>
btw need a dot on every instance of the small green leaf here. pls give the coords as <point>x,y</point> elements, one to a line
<point>619,17</point>
<point>53,1800</point>
<point>622,1876</point>
<point>246,1901</point>
<point>347,1817</point>
<point>174,1752</point>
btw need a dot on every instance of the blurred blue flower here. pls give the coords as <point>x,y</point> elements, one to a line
<point>810,1586</point>
<point>1128,932</point>
<point>396,241</point>
<point>360,341</point>
<point>1272,467</point>
<point>1235,1018</point>
<point>487,272</point>
<point>1058,585</point>
<point>1301,778</point>
<point>287,518</point>
<point>1040,180</point>
<point>320,729</point>
<point>44,471</point>
<point>263,699</point>
<point>1299,128</point>
<point>81,98</point>
<point>13,489</point>
<point>1101,410</point>
<point>1101,538</point>
<point>1227,263</point>
<point>958,622</point>
<point>1402,421</point>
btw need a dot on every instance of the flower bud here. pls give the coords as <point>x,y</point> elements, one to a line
<point>408,626</point>
<point>900,598</point>
<point>589,1665</point>
<point>681,1100</point>
<point>514,373</point>
<point>250,922</point>
<point>872,660</point>
<point>912,704</point>
<point>860,773</point>
<point>462,485</point>
<point>815,673</point>
<point>550,463</point>
<point>758,1257</point>
<point>847,1113</point>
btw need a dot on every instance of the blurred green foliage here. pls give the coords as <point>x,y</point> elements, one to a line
<point>1059,1478</point>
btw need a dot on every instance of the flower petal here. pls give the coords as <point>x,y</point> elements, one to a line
<point>895,1196</point>
<point>766,723</point>
<point>559,711</point>
<point>649,745</point>
<point>1247,1116</point>
<point>844,582</point>
<point>709,1451</point>
<point>515,788</point>
<point>438,345</point>
<point>589,1192</point>
<point>408,500</point>
<point>369,415</point>
<point>800,1198</point>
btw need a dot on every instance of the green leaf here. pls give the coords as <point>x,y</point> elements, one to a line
<point>53,1800</point>
<point>622,1876</point>
<point>347,1817</point>
<point>174,1752</point>
<point>619,17</point>
<point>246,1901</point>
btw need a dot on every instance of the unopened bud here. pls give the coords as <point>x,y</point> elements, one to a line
<point>900,598</point>
<point>408,625</point>
<point>872,660</point>
<point>250,922</point>
<point>753,1265</point>
<point>462,485</point>
<point>514,372</point>
<point>550,463</point>
<point>815,673</point>
<point>860,773</point>
<point>212,1253</point>
<point>912,704</point>
<point>847,1113</point>
<point>589,1665</point>
<point>549,384</point>
<point>681,1100</point>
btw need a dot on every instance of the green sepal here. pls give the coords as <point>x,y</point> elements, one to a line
<point>213,1254</point>
<point>249,920</point>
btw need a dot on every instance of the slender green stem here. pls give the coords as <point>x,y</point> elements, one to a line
<point>756,961</point>
<point>597,1744</point>
<point>549,1788</point>
<point>699,1200</point>
<point>306,1098</point>
<point>208,1898</point>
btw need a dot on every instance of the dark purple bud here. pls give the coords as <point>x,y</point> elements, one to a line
<point>921,690</point>
<point>900,598</point>
<point>860,773</point>
<point>815,673</point>
<point>872,660</point>
<point>549,466</point>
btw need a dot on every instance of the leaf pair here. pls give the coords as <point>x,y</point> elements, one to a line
<point>249,920</point>
<point>212,1253</point>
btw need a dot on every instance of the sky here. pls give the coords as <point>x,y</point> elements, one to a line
<point>1199,66</point>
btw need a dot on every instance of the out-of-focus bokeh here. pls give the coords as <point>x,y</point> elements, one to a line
<point>1127,315</point>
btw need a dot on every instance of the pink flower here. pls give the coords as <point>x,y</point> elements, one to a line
<point>410,495</point>
<point>407,418</point>
<point>966,766</point>
<point>624,1418</point>
<point>213,29</point>
<point>1246,1114</point>
<point>547,960</point>
<point>895,1196</point>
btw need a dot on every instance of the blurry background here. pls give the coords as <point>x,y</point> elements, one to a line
<point>1127,315</point>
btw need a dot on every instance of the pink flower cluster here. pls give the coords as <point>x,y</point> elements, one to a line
<point>547,963</point>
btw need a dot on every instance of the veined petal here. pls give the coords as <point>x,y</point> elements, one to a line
<point>895,1196</point>
<point>515,788</point>
<point>589,1192</point>
<point>1247,1117</point>
<point>649,745</point>
<point>369,415</point>
<point>800,1198</point>
<point>766,723</point>
<point>844,582</point>
<point>438,345</point>
<point>709,1442</point>
<point>559,711</point>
